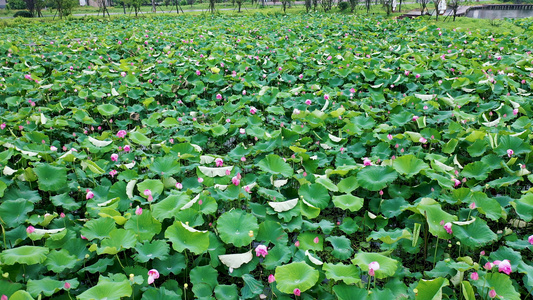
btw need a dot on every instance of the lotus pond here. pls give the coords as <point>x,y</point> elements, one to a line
<point>298,156</point>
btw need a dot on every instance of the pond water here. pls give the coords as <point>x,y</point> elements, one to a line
<point>499,13</point>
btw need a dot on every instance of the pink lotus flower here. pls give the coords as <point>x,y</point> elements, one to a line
<point>301,76</point>
<point>316,240</point>
<point>297,292</point>
<point>448,228</point>
<point>89,195</point>
<point>296,111</point>
<point>148,193</point>
<point>367,162</point>
<point>121,133</point>
<point>417,76</point>
<point>3,126</point>
<point>406,73</point>
<point>389,136</point>
<point>415,118</point>
<point>235,180</point>
<point>153,274</point>
<point>243,159</point>
<point>242,131</point>
<point>114,157</point>
<point>456,182</point>
<point>488,266</point>
<point>30,229</point>
<point>326,97</point>
<point>530,239</point>
<point>261,250</point>
<point>423,140</point>
<point>515,111</point>
<point>66,286</point>
<point>219,162</point>
<point>113,173</point>
<point>4,297</point>
<point>271,278</point>
<point>179,186</point>
<point>297,244</point>
<point>138,211</point>
<point>247,189</point>
<point>200,180</point>
<point>253,110</point>
<point>198,72</point>
<point>219,97</point>
<point>492,294</point>
<point>474,276</point>
<point>53,148</point>
<point>308,102</point>
<point>510,152</point>
<point>127,148</point>
<point>504,266</point>
<point>472,205</point>
<point>372,267</point>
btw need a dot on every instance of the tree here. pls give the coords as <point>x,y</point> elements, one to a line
<point>284,3</point>
<point>327,4</point>
<point>63,7</point>
<point>308,4</point>
<point>424,4</point>
<point>368,3</point>
<point>387,5</point>
<point>454,5</point>
<point>239,4</point>
<point>212,6</point>
<point>353,5</point>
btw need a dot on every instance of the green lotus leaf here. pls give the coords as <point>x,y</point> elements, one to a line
<point>107,109</point>
<point>107,290</point>
<point>349,274</point>
<point>172,264</point>
<point>59,261</point>
<point>118,240</point>
<point>487,206</point>
<point>15,212</point>
<point>436,217</point>
<point>252,287</point>
<point>315,194</point>
<point>227,292</point>
<point>347,292</point>
<point>272,232</point>
<point>165,166</point>
<point>349,202</point>
<point>98,228</point>
<point>296,275</point>
<point>478,170</point>
<point>375,178</point>
<point>274,164</point>
<point>162,294</point>
<point>311,241</point>
<point>327,183</point>
<point>154,185</point>
<point>28,255</point>
<point>348,184</point>
<point>204,274</point>
<point>144,226</point>
<point>524,207</point>
<point>151,250</point>
<point>51,178</point>
<point>170,206</point>
<point>21,295</point>
<point>431,289</point>
<point>514,143</point>
<point>476,234</point>
<point>387,265</point>
<point>277,256</point>
<point>184,237</point>
<point>235,227</point>
<point>65,201</point>
<point>139,138</point>
<point>131,79</point>
<point>501,283</point>
<point>47,286</point>
<point>389,237</point>
<point>409,165</point>
<point>342,247</point>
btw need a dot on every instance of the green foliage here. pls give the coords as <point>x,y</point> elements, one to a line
<point>220,150</point>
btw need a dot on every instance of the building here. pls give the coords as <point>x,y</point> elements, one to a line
<point>2,4</point>
<point>93,3</point>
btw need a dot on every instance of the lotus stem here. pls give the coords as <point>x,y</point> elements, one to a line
<point>435,255</point>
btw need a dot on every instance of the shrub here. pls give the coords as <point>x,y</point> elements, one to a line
<point>22,14</point>
<point>343,6</point>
